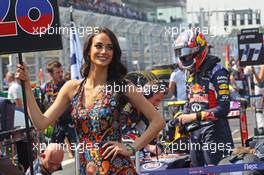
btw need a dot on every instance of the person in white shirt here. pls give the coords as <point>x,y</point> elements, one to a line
<point>14,90</point>
<point>177,85</point>
<point>258,74</point>
<point>258,77</point>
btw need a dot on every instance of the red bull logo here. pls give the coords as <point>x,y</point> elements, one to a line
<point>196,88</point>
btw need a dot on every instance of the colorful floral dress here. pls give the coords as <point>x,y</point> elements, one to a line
<point>97,124</point>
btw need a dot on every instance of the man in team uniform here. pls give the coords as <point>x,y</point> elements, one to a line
<point>208,100</point>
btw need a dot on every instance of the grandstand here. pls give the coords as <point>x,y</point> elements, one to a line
<point>105,7</point>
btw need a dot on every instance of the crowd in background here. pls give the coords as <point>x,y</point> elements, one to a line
<point>104,7</point>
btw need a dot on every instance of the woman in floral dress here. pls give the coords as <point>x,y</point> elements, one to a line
<point>97,102</point>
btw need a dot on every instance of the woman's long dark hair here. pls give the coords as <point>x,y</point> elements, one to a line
<point>116,70</point>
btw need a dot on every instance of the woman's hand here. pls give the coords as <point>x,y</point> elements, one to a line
<point>22,73</point>
<point>115,148</point>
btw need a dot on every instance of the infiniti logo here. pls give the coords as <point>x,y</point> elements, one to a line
<point>196,107</point>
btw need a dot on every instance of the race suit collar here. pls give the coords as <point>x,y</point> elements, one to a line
<point>208,64</point>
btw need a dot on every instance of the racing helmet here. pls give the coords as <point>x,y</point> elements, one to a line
<point>191,49</point>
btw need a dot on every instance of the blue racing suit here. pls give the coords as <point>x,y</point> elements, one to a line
<point>208,97</point>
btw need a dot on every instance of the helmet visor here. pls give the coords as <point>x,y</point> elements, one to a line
<point>185,51</point>
<point>186,56</point>
<point>187,60</point>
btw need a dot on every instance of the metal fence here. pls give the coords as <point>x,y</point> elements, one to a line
<point>219,44</point>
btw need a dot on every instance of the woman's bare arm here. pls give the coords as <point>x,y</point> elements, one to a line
<point>40,120</point>
<point>259,77</point>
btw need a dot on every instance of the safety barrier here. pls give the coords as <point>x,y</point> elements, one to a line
<point>204,170</point>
